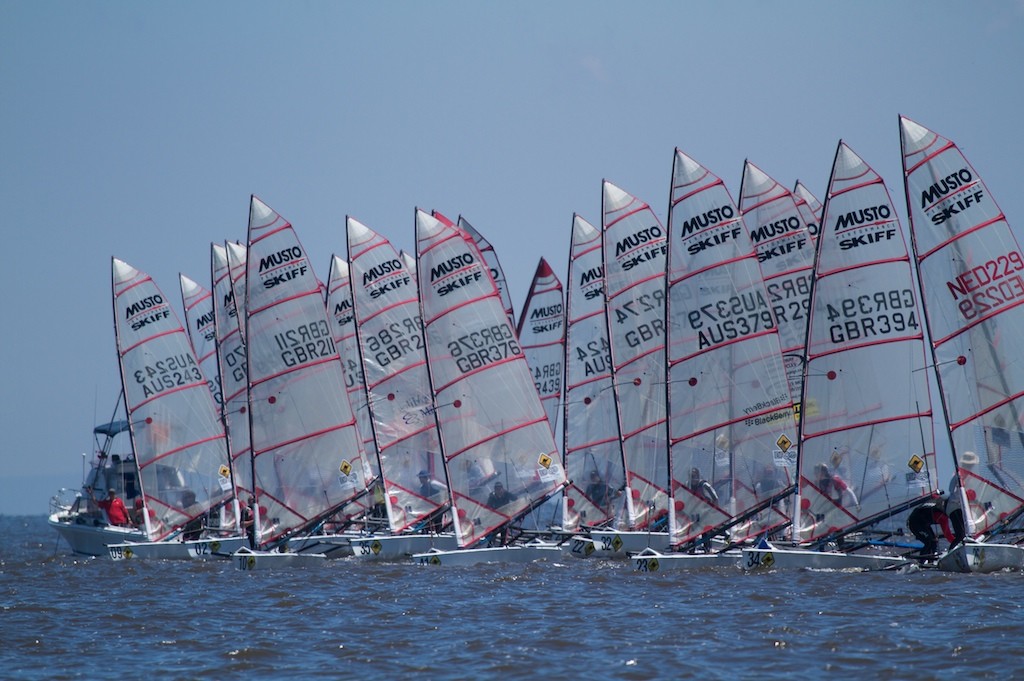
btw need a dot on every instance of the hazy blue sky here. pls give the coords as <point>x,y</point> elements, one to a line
<point>139,130</point>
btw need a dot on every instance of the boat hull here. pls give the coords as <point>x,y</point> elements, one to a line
<point>251,561</point>
<point>526,553</point>
<point>330,545</point>
<point>982,558</point>
<point>200,549</point>
<point>400,547</point>
<point>89,539</point>
<point>799,559</point>
<point>655,561</point>
<point>618,544</point>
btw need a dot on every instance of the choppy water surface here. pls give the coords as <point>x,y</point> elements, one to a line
<point>65,617</point>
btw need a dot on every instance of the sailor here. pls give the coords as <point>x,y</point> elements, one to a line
<point>921,519</point>
<point>117,512</point>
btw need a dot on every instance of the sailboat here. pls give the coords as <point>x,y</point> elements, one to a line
<point>366,511</point>
<point>493,264</point>
<point>810,208</point>
<point>231,363</point>
<point>590,433</point>
<point>635,247</point>
<point>498,448</point>
<point>306,449</point>
<point>541,334</point>
<point>730,415</point>
<point>785,249</point>
<point>180,453</point>
<point>969,263</point>
<point>866,445</point>
<point>393,358</point>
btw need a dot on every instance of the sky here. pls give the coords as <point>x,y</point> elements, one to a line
<point>139,131</point>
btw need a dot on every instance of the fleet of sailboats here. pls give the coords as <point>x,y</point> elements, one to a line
<point>769,383</point>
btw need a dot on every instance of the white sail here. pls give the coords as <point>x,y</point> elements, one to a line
<point>866,443</point>
<point>339,309</point>
<point>390,332</point>
<point>970,266</point>
<point>237,267</point>
<point>590,434</point>
<point>542,337</point>
<point>410,261</point>
<point>306,455</point>
<point>810,208</point>
<point>730,415</point>
<point>231,360</point>
<point>494,265</point>
<point>785,249</point>
<point>176,430</point>
<point>635,249</point>
<point>197,302</point>
<point>492,425</point>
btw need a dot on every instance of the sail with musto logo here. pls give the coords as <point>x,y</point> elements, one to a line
<point>785,249</point>
<point>635,249</point>
<point>866,446</point>
<point>307,459</point>
<point>730,415</point>
<point>972,272</point>
<point>542,337</point>
<point>175,426</point>
<point>498,447</point>
<point>390,335</point>
<point>590,436</point>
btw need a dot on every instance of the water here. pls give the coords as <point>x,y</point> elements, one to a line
<point>65,617</point>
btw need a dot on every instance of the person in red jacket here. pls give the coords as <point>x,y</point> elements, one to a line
<point>117,512</point>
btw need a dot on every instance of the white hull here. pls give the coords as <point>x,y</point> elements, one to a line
<point>89,539</point>
<point>526,553</point>
<point>200,549</point>
<point>799,559</point>
<point>400,547</point>
<point>330,545</point>
<point>618,544</point>
<point>982,558</point>
<point>653,561</point>
<point>248,560</point>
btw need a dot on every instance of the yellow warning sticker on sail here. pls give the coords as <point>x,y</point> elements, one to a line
<point>224,472</point>
<point>916,463</point>
<point>345,467</point>
<point>544,460</point>
<point>784,443</point>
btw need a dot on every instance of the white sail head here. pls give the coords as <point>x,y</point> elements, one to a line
<point>492,425</point>
<point>176,430</point>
